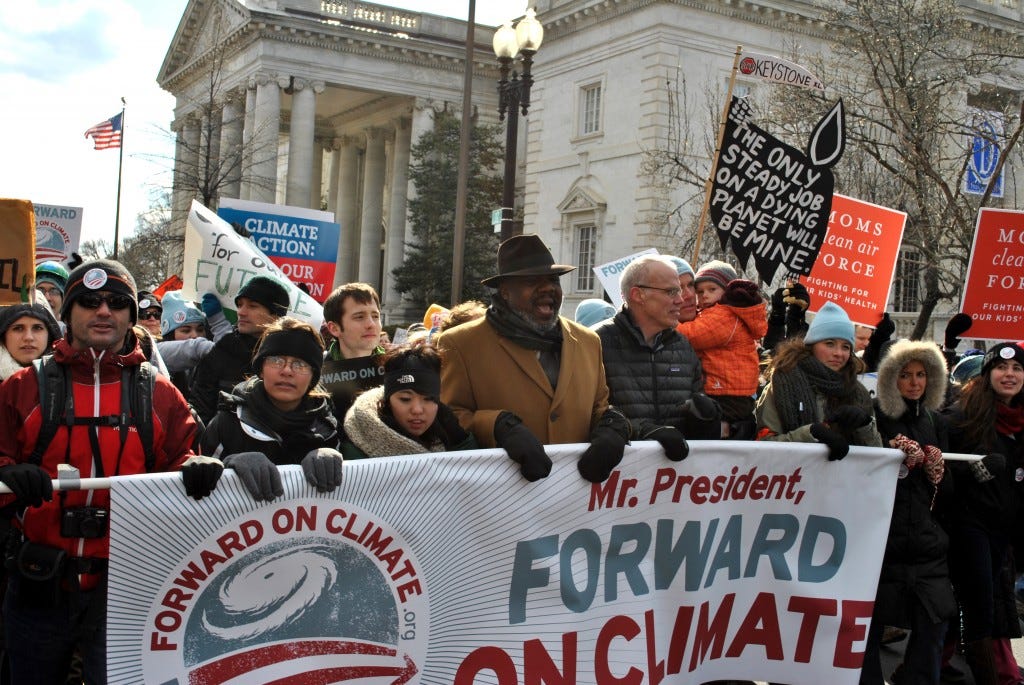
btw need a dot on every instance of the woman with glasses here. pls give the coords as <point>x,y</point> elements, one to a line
<point>280,416</point>
<point>405,415</point>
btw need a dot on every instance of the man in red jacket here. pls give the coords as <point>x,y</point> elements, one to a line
<point>56,599</point>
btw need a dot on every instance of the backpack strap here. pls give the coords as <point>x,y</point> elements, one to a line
<point>56,403</point>
<point>141,388</point>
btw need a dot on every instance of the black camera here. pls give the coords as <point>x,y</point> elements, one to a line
<point>84,522</point>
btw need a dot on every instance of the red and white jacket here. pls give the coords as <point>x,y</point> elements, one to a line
<point>96,383</point>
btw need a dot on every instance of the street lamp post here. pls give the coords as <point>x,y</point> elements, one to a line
<point>514,97</point>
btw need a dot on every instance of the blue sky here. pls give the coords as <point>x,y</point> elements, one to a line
<point>64,66</point>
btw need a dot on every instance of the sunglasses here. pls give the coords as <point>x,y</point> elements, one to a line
<point>148,314</point>
<point>94,300</point>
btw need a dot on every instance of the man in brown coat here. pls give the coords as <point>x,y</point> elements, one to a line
<point>523,376</point>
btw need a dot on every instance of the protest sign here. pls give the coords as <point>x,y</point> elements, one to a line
<point>608,274</point>
<point>302,242</point>
<point>745,561</point>
<point>219,261</point>
<point>777,70</point>
<point>769,199</point>
<point>58,232</point>
<point>994,292</point>
<point>857,260</point>
<point>17,251</point>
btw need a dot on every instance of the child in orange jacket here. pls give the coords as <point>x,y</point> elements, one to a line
<point>732,317</point>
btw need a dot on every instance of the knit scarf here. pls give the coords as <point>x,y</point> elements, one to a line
<point>512,326</point>
<point>796,392</point>
<point>1009,420</point>
<point>283,422</point>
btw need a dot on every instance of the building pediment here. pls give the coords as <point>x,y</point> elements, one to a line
<point>582,199</point>
<point>205,25</point>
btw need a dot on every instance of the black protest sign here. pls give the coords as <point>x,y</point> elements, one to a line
<point>771,200</point>
<point>346,378</point>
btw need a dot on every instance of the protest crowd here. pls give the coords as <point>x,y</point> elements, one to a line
<point>104,378</point>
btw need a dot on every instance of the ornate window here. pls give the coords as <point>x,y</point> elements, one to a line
<point>586,254</point>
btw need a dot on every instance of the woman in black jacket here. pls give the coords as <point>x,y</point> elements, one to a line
<point>280,416</point>
<point>914,590</point>
<point>983,515</point>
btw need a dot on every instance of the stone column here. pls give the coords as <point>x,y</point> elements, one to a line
<point>249,122</point>
<point>265,134</point>
<point>300,141</point>
<point>371,231</point>
<point>186,162</point>
<point>209,152</point>
<point>316,184</point>
<point>395,238</point>
<point>231,126</point>
<point>332,186</point>
<point>347,213</point>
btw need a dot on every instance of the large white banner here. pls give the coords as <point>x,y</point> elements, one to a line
<point>219,261</point>
<point>745,561</point>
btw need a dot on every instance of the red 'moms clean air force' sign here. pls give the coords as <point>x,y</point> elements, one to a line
<point>994,294</point>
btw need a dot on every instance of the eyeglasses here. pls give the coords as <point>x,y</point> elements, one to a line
<point>671,292</point>
<point>149,315</point>
<point>94,300</point>
<point>296,365</point>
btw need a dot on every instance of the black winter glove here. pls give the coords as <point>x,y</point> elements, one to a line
<point>988,468</point>
<point>200,475</point>
<point>957,326</point>
<point>883,331</point>
<point>778,306</point>
<point>796,296</point>
<point>322,468</point>
<point>522,446</point>
<point>257,473</point>
<point>672,441</point>
<point>75,261</point>
<point>607,443</point>
<point>848,417</point>
<point>837,445</point>
<point>741,293</point>
<point>450,425</point>
<point>29,483</point>
<point>702,418</point>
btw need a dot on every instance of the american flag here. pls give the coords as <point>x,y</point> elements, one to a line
<point>106,134</point>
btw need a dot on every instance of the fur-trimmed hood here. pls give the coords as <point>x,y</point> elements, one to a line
<point>365,429</point>
<point>899,354</point>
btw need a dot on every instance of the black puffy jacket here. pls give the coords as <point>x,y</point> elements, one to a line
<point>915,562</point>
<point>223,367</point>
<point>648,383</point>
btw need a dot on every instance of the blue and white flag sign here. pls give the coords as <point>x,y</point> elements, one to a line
<point>988,130</point>
<point>754,561</point>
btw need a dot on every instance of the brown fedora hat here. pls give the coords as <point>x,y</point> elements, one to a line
<point>525,255</point>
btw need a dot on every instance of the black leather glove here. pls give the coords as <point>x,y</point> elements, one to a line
<point>957,326</point>
<point>991,466</point>
<point>74,262</point>
<point>837,445</point>
<point>702,418</point>
<point>777,312</point>
<point>450,425</point>
<point>200,475</point>
<point>741,293</point>
<point>672,441</point>
<point>257,473</point>
<point>322,468</point>
<point>29,483</point>
<point>522,446</point>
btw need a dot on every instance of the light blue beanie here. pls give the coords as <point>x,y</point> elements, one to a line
<point>177,312</point>
<point>830,322</point>
<point>589,312</point>
<point>682,266</point>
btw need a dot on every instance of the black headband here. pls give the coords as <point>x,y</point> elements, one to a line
<point>413,376</point>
